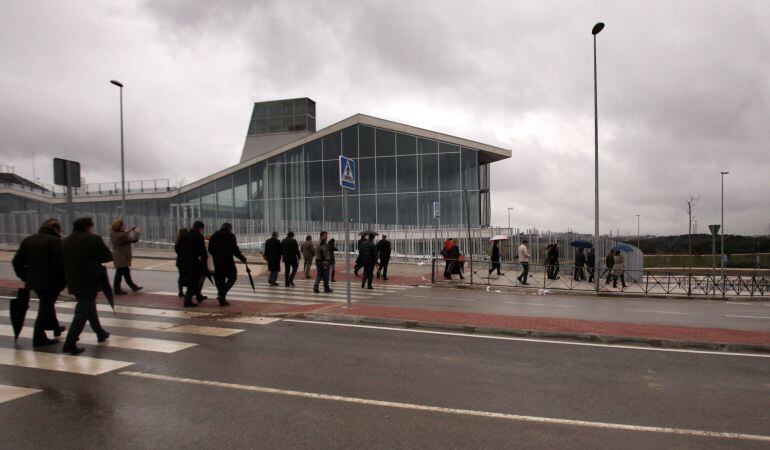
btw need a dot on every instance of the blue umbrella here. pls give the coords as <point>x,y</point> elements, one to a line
<point>623,248</point>
<point>581,244</point>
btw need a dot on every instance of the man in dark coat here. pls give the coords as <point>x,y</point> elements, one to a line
<point>383,250</point>
<point>223,248</point>
<point>368,254</point>
<point>84,253</point>
<point>495,259</point>
<point>591,264</point>
<point>39,263</point>
<point>322,263</point>
<point>359,264</point>
<point>580,263</point>
<point>273,253</point>
<point>290,250</point>
<point>193,258</point>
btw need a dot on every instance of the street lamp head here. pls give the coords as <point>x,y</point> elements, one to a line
<point>116,83</point>
<point>597,28</point>
<point>724,173</point>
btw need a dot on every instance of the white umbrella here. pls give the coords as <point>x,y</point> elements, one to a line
<point>498,237</point>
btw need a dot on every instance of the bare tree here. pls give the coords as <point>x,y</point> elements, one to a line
<point>690,203</point>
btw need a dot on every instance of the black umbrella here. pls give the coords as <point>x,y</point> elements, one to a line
<point>251,279</point>
<point>19,306</point>
<point>368,232</point>
<point>104,282</point>
<point>581,244</point>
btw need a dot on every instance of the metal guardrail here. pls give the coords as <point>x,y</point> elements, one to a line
<point>642,282</point>
<point>95,189</point>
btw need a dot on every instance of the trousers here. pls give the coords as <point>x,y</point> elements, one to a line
<point>123,272</point>
<point>85,311</point>
<point>224,279</point>
<point>46,315</point>
<point>291,271</point>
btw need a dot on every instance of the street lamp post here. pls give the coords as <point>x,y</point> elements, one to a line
<point>594,31</point>
<point>723,223</point>
<point>122,162</point>
<point>509,219</point>
<point>637,231</point>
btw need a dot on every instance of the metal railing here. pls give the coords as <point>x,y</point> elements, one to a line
<point>94,189</point>
<point>566,277</point>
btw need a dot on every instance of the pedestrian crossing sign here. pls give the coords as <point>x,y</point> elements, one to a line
<point>347,173</point>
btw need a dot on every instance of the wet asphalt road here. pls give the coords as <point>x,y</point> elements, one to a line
<point>597,384</point>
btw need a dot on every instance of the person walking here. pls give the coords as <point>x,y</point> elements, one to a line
<point>121,241</point>
<point>495,259</point>
<point>553,261</point>
<point>591,264</point>
<point>180,285</point>
<point>193,263</point>
<point>291,254</point>
<point>39,264</point>
<point>383,251</point>
<point>446,254</point>
<point>580,264</point>
<point>359,264</point>
<point>368,254</point>
<point>609,261</point>
<point>619,270</point>
<point>523,254</point>
<point>84,253</point>
<point>273,254</point>
<point>322,259</point>
<point>332,258</point>
<point>456,261</point>
<point>308,252</point>
<point>223,247</point>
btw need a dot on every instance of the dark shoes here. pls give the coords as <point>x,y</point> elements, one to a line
<point>224,303</point>
<point>315,289</point>
<point>190,305</point>
<point>369,287</point>
<point>328,290</point>
<point>41,343</point>
<point>137,289</point>
<point>58,331</point>
<point>291,283</point>
<point>103,337</point>
<point>120,292</point>
<point>74,350</point>
<point>181,294</point>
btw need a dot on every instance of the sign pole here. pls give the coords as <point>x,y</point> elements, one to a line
<point>347,245</point>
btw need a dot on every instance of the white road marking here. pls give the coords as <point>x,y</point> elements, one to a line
<point>8,393</point>
<point>657,312</point>
<point>155,326</point>
<point>455,411</point>
<point>541,304</point>
<point>255,320</point>
<point>59,362</point>
<point>140,311</point>
<point>539,341</point>
<point>132,343</point>
<point>155,266</point>
<point>749,317</point>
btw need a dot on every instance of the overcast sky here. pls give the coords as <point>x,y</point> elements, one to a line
<point>684,93</point>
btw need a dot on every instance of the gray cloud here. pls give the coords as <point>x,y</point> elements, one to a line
<point>684,92</point>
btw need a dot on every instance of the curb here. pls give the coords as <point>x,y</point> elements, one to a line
<point>525,333</point>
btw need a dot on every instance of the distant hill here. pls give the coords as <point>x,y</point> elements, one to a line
<point>701,244</point>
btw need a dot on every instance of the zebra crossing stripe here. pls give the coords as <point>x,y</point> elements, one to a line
<point>127,342</point>
<point>60,362</point>
<point>141,311</point>
<point>155,326</point>
<point>8,393</point>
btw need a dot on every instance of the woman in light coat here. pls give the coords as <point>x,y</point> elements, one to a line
<point>121,241</point>
<point>618,270</point>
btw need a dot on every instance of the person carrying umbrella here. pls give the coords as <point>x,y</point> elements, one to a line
<point>39,263</point>
<point>223,247</point>
<point>193,257</point>
<point>495,259</point>
<point>84,253</point>
<point>580,264</point>
<point>619,270</point>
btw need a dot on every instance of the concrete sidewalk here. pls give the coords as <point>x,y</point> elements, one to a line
<point>716,339</point>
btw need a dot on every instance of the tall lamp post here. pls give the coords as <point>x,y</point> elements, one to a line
<point>509,219</point>
<point>723,223</point>
<point>594,31</point>
<point>122,163</point>
<point>637,231</point>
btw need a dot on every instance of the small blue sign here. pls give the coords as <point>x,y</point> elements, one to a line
<point>347,173</point>
<point>436,210</point>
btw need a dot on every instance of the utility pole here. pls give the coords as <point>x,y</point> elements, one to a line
<point>690,203</point>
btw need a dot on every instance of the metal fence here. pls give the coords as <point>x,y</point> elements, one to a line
<point>566,277</point>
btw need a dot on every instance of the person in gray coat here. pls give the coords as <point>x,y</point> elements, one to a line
<point>121,241</point>
<point>308,252</point>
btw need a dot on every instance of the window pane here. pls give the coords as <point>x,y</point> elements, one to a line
<point>386,143</point>
<point>331,177</point>
<point>426,209</point>
<point>276,181</point>
<point>315,209</point>
<point>295,209</point>
<point>332,146</point>
<point>313,151</point>
<point>406,145</point>
<point>295,180</point>
<point>366,176</point>
<point>275,213</point>
<point>449,169</point>
<point>241,194</point>
<point>350,142</point>
<point>365,141</point>
<point>209,202</point>
<point>287,108</point>
<point>407,209</point>
<point>428,180</point>
<point>386,175</point>
<point>274,125</point>
<point>300,107</point>
<point>448,148</point>
<point>257,176</point>
<point>427,146</point>
<point>314,178</point>
<point>368,210</point>
<point>451,208</point>
<point>386,209</point>
<point>470,169</point>
<point>258,213</point>
<point>353,210</point>
<point>333,209</point>
<point>225,198</point>
<point>407,173</point>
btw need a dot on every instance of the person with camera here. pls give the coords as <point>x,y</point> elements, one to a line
<point>121,241</point>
